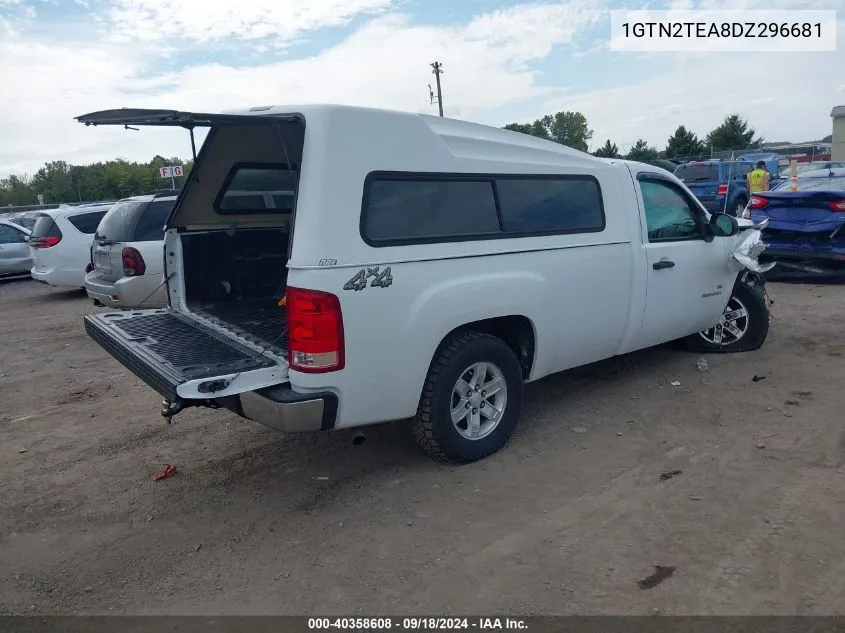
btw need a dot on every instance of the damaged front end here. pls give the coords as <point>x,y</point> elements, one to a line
<point>748,248</point>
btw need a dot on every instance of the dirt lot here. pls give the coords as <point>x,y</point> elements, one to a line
<point>567,519</point>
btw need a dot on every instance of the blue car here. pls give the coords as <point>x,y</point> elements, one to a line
<point>806,230</point>
<point>721,186</point>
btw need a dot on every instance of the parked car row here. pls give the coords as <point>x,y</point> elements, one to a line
<point>112,250</point>
<point>721,186</point>
<point>802,168</point>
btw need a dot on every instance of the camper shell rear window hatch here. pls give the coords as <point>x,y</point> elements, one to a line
<point>257,188</point>
<point>172,118</point>
<point>130,117</point>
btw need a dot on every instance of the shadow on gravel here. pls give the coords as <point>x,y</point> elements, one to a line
<point>55,294</point>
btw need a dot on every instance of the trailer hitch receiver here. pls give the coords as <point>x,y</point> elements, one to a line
<point>169,409</point>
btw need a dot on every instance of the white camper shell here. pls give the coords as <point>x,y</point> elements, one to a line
<point>331,267</point>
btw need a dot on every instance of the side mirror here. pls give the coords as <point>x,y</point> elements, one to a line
<point>724,225</point>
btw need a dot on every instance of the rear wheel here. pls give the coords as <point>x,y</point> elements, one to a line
<point>743,326</point>
<point>739,206</point>
<point>471,399</point>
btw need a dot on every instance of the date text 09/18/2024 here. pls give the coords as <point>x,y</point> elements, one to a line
<point>418,624</point>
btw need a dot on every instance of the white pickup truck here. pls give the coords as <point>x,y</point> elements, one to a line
<point>331,267</point>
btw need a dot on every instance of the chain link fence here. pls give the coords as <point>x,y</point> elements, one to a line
<point>801,153</point>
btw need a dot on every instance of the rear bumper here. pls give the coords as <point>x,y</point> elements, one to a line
<point>796,265</point>
<point>285,410</point>
<point>773,253</point>
<point>100,291</point>
<point>278,406</point>
<point>58,277</point>
<point>713,206</point>
<point>145,291</point>
<point>717,204</point>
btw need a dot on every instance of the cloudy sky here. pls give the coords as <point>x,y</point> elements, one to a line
<point>503,60</point>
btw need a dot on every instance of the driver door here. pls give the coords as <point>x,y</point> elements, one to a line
<point>14,251</point>
<point>689,276</point>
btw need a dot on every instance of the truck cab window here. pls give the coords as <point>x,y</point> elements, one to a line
<point>669,215</point>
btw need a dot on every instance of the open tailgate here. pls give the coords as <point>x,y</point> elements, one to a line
<point>180,357</point>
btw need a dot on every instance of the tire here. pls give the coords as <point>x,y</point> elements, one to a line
<point>456,359</point>
<point>739,206</point>
<point>754,326</point>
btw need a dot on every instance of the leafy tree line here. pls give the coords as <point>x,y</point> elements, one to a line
<point>59,181</point>
<point>571,129</point>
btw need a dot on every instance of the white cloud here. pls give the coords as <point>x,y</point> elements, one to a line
<point>385,63</point>
<point>206,21</point>
<point>784,96</point>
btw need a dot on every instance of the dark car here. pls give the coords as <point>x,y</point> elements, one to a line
<point>806,230</point>
<point>720,186</point>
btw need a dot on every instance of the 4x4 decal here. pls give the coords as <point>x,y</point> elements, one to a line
<point>380,279</point>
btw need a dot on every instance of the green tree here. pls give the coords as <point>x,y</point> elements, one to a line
<point>608,150</point>
<point>641,151</point>
<point>54,182</point>
<point>16,191</point>
<point>733,133</point>
<point>60,182</point>
<point>532,129</point>
<point>566,128</point>
<point>684,143</point>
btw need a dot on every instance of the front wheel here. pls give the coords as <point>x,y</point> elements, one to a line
<point>743,326</point>
<point>471,399</point>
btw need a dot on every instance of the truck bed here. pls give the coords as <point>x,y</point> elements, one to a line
<point>259,321</point>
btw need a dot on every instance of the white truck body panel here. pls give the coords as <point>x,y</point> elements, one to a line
<point>588,296</point>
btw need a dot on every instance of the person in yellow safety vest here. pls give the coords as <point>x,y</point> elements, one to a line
<point>758,179</point>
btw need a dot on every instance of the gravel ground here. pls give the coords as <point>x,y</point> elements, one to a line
<point>568,519</point>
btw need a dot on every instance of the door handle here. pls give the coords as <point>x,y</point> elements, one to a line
<point>663,263</point>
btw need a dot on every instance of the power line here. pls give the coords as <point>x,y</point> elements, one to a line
<point>438,70</point>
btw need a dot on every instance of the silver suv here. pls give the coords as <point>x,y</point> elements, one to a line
<point>127,256</point>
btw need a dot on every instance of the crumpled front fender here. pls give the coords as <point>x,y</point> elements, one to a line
<point>748,247</point>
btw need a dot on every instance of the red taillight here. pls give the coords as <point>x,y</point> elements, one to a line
<point>315,331</point>
<point>722,190</point>
<point>44,242</point>
<point>757,202</point>
<point>838,205</point>
<point>133,263</point>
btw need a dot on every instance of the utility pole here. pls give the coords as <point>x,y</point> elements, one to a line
<point>438,70</point>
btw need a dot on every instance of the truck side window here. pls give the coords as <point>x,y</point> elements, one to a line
<point>669,214</point>
<point>535,205</point>
<point>428,210</point>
